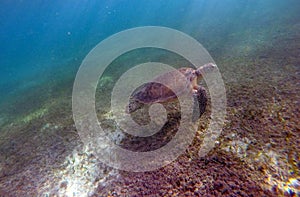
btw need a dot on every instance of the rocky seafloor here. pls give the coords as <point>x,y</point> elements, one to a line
<point>257,153</point>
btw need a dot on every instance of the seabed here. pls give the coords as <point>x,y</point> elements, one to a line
<point>257,153</point>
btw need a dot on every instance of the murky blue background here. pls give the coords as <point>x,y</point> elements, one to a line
<point>38,37</point>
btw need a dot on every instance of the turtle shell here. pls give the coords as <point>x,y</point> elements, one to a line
<point>165,87</point>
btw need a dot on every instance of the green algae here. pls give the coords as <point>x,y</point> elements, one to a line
<point>34,115</point>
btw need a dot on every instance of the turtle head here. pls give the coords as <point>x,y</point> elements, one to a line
<point>207,68</point>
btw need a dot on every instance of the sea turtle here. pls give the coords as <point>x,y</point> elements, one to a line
<point>154,92</point>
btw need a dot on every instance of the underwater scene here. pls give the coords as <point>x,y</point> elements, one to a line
<point>150,98</point>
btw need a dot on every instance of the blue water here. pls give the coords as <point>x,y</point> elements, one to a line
<point>41,36</point>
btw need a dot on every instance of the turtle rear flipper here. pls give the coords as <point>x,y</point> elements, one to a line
<point>133,106</point>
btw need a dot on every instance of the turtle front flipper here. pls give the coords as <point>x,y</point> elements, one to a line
<point>200,102</point>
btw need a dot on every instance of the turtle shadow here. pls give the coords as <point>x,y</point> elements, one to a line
<point>169,128</point>
<point>160,138</point>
